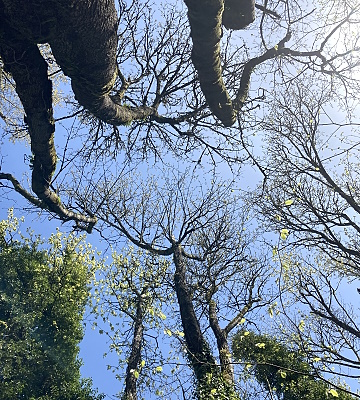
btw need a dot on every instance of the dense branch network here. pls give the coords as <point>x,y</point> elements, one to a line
<point>87,51</point>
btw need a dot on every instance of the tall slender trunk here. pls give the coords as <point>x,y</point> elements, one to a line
<point>222,344</point>
<point>199,354</point>
<point>130,392</point>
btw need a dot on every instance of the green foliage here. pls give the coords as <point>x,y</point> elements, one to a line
<point>42,301</point>
<point>214,387</point>
<point>282,370</point>
<point>128,298</point>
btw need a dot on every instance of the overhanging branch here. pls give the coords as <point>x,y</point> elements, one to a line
<point>53,204</point>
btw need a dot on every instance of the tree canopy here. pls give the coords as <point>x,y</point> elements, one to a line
<point>211,149</point>
<point>43,296</point>
<point>284,372</point>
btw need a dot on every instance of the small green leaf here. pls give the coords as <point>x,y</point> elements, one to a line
<point>136,374</point>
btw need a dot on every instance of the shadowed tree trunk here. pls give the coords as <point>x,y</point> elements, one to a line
<point>198,350</point>
<point>208,374</point>
<point>83,38</point>
<point>29,70</point>
<point>238,14</point>
<point>206,19</point>
<point>206,31</point>
<point>130,392</point>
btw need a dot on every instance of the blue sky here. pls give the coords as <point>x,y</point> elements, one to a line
<point>13,159</point>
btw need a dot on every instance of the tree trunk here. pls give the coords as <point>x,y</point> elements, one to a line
<point>83,38</point>
<point>222,344</point>
<point>238,14</point>
<point>198,350</point>
<point>130,392</point>
<point>205,19</point>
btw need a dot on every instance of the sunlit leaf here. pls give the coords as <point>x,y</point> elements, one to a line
<point>282,374</point>
<point>301,326</point>
<point>284,233</point>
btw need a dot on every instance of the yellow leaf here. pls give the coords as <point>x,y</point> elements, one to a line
<point>242,321</point>
<point>158,369</point>
<point>276,47</point>
<point>282,374</point>
<point>301,326</point>
<point>284,233</point>
<point>289,202</point>
<point>246,333</point>
<point>260,345</point>
<point>333,393</point>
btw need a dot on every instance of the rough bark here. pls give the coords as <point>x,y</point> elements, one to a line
<point>238,14</point>
<point>23,60</point>
<point>198,350</point>
<point>83,38</point>
<point>205,19</point>
<point>130,392</point>
<point>222,344</point>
